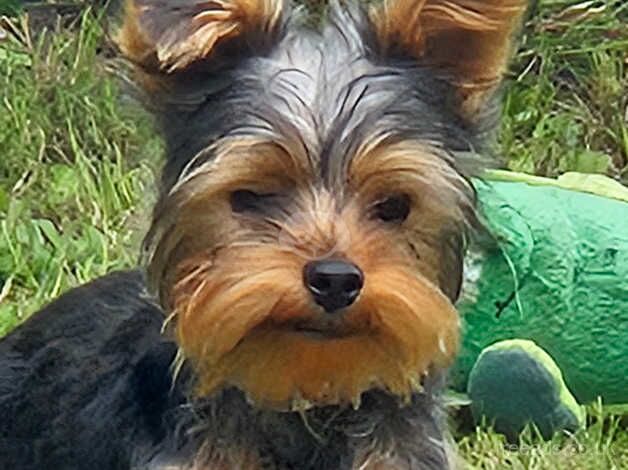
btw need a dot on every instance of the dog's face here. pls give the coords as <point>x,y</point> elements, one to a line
<point>310,233</point>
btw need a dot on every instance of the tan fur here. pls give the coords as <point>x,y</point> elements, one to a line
<point>442,201</point>
<point>470,39</point>
<point>240,320</point>
<point>199,203</point>
<point>156,35</point>
<point>236,283</point>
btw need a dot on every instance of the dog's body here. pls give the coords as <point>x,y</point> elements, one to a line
<point>304,256</point>
<point>98,394</point>
<point>70,386</point>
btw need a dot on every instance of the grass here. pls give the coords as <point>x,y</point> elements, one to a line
<point>567,108</point>
<point>78,165</point>
<point>602,445</point>
<point>75,170</point>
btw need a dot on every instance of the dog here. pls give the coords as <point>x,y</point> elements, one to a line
<point>295,309</point>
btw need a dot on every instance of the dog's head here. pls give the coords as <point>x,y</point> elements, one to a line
<point>309,236</point>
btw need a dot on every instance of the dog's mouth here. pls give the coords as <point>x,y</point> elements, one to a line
<point>321,333</point>
<point>322,327</point>
<point>300,357</point>
<point>316,327</point>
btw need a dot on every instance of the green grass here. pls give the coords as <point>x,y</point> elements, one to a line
<point>75,172</point>
<point>602,445</point>
<point>567,108</point>
<point>78,164</point>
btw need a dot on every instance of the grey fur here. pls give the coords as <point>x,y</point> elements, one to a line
<point>411,435</point>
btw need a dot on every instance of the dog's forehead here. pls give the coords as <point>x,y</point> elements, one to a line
<point>323,95</point>
<point>327,88</point>
<point>319,84</point>
<point>319,65</point>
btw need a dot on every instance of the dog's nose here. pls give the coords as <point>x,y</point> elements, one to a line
<point>333,283</point>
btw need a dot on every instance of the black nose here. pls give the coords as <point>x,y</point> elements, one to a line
<point>333,283</point>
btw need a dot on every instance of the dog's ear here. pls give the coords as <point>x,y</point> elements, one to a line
<point>469,40</point>
<point>168,36</point>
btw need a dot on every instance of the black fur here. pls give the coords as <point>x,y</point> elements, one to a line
<point>85,379</point>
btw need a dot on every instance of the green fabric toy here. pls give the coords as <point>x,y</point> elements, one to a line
<point>515,382</point>
<point>557,276</point>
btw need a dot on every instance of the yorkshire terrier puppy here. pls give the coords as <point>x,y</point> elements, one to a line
<point>305,253</point>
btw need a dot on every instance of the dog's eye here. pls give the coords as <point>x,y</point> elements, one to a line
<point>393,209</point>
<point>244,200</point>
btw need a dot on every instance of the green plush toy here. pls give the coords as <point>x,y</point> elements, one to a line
<point>547,301</point>
<point>515,382</point>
